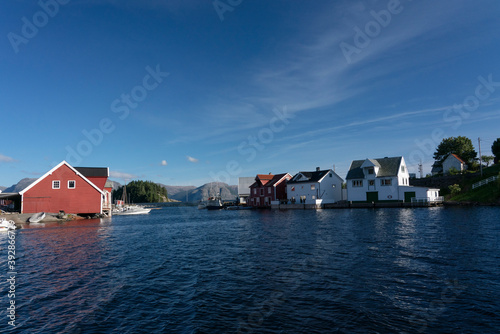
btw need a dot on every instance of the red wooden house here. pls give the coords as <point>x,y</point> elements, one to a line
<point>268,188</point>
<point>69,189</point>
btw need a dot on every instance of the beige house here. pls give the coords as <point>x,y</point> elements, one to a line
<point>454,161</point>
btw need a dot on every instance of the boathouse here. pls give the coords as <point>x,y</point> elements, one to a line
<point>268,188</point>
<point>385,180</point>
<point>80,190</point>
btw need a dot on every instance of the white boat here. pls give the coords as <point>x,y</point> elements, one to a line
<point>214,203</point>
<point>202,206</point>
<point>131,210</point>
<point>6,225</point>
<point>37,217</point>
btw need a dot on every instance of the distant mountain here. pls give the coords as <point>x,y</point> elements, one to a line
<point>116,185</point>
<point>172,191</point>
<point>2,188</point>
<point>15,188</point>
<point>194,195</point>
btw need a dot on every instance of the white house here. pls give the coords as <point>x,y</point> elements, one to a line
<point>244,184</point>
<point>453,161</point>
<point>318,187</point>
<point>384,180</point>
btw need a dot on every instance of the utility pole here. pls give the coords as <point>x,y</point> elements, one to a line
<point>480,157</point>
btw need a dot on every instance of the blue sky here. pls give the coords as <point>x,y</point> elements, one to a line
<point>189,92</point>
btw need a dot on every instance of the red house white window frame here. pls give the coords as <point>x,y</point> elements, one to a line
<point>56,184</point>
<point>71,184</point>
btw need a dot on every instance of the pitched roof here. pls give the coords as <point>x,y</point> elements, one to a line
<point>262,180</point>
<point>457,157</point>
<point>388,167</point>
<point>93,171</point>
<point>302,177</point>
<point>276,179</point>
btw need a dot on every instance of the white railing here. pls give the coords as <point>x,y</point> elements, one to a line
<point>439,199</point>
<point>427,200</point>
<point>483,182</point>
<point>420,200</point>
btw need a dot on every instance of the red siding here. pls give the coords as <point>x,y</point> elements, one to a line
<point>83,199</point>
<point>100,182</point>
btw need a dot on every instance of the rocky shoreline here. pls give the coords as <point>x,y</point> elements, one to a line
<point>22,218</point>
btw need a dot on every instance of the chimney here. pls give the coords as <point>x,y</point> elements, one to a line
<point>317,169</point>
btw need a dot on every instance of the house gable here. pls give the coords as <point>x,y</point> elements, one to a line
<point>52,171</point>
<point>62,188</point>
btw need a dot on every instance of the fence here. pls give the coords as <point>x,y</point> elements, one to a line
<point>483,182</point>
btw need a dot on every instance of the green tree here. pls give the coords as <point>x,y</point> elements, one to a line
<point>143,192</point>
<point>455,189</point>
<point>461,146</point>
<point>495,149</point>
<point>487,159</point>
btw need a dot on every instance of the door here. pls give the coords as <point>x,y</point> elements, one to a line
<point>372,196</point>
<point>409,195</point>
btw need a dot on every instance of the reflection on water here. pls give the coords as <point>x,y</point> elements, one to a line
<point>183,270</point>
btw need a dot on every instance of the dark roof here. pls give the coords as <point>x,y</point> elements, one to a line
<point>310,176</point>
<point>93,171</point>
<point>388,167</point>
<point>436,169</point>
<point>266,180</point>
<point>275,179</point>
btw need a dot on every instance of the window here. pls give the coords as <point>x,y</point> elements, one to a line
<point>255,191</point>
<point>71,184</point>
<point>357,183</point>
<point>261,191</point>
<point>313,186</point>
<point>269,190</point>
<point>371,170</point>
<point>293,188</point>
<point>385,182</point>
<point>56,184</point>
<point>371,182</point>
<point>403,169</point>
<point>330,174</point>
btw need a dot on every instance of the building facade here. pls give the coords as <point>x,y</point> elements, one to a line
<point>317,187</point>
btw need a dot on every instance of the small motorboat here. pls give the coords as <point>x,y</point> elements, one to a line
<point>6,225</point>
<point>37,217</point>
<point>131,210</point>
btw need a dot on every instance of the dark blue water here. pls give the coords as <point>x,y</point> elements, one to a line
<point>183,270</point>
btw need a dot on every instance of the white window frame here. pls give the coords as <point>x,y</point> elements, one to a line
<point>74,184</point>
<point>313,187</point>
<point>357,183</point>
<point>386,182</point>
<point>54,184</point>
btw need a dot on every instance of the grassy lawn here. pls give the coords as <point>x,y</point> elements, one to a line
<point>489,193</point>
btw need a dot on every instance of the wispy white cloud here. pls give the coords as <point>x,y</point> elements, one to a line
<point>4,158</point>
<point>164,163</point>
<point>121,175</point>
<point>191,159</point>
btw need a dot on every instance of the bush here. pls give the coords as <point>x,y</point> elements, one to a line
<point>453,171</point>
<point>455,189</point>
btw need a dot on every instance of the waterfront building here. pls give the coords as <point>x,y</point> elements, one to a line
<point>384,180</point>
<point>317,187</point>
<point>244,184</point>
<point>268,188</point>
<point>80,190</point>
